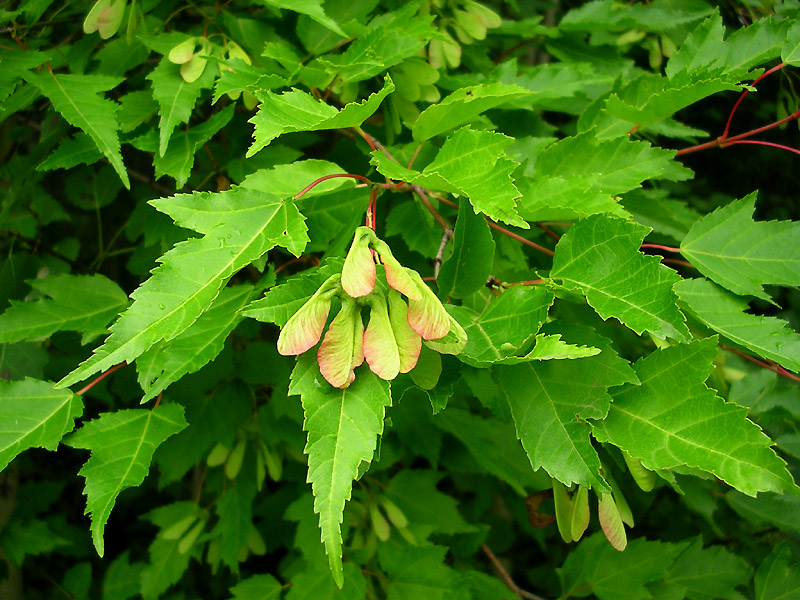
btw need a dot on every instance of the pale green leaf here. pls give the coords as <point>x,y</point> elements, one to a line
<point>778,576</point>
<point>257,587</point>
<point>299,111</point>
<point>175,96</point>
<point>769,337</point>
<point>742,255</point>
<point>343,427</point>
<point>122,445</point>
<point>565,198</point>
<point>472,164</point>
<point>462,106</point>
<point>594,567</point>
<point>78,99</point>
<point>599,257</point>
<point>312,8</point>
<point>167,362</point>
<point>607,15</point>
<point>552,82</point>
<point>468,267</point>
<point>178,160</point>
<point>84,303</point>
<point>240,225</point>
<point>550,401</point>
<point>672,419</point>
<point>34,414</point>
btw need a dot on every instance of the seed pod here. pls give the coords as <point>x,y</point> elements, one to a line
<point>380,347</point>
<point>580,515</point>
<point>105,17</point>
<point>379,524</point>
<point>274,465</point>
<point>255,543</point>
<point>565,509</point>
<point>396,275</point>
<point>303,330</point>
<point>644,477</point>
<point>183,52</point>
<point>488,17</point>
<point>218,455</point>
<point>396,516</point>
<point>427,316</point>
<point>190,538</point>
<point>177,529</point>
<point>261,471</point>
<point>409,342</point>
<point>234,463</point>
<point>611,522</point>
<point>340,352</point>
<point>358,273</point>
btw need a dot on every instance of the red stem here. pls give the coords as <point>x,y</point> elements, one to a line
<point>744,93</point>
<point>769,365</point>
<point>760,143</point>
<point>529,282</point>
<point>99,378</point>
<point>520,239</point>
<point>660,247</point>
<point>326,177</point>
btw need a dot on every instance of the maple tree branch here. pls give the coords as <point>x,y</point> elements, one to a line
<point>506,577</point>
<point>660,247</point>
<point>742,97</point>
<point>437,261</point>
<point>423,196</point>
<point>326,177</point>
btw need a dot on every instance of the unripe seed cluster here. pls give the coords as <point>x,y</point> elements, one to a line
<point>392,340</point>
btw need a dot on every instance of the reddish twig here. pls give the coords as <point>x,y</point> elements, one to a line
<point>769,365</point>
<point>742,96</point>
<point>529,282</point>
<point>506,577</point>
<point>760,143</point>
<point>423,196</point>
<point>326,177</point>
<point>660,247</point>
<point>549,231</point>
<point>99,378</point>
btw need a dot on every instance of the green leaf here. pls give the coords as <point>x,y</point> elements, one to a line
<point>723,312</point>
<point>178,160</point>
<point>779,511</point>
<point>84,303</point>
<point>742,255</point>
<point>427,509</point>
<point>702,50</point>
<point>653,208</point>
<point>599,257</point>
<point>468,267</point>
<point>594,567</point>
<point>343,427</point>
<point>235,511</point>
<point>312,8</point>
<point>167,566</point>
<point>550,401</point>
<point>462,106</point>
<point>78,150</point>
<point>672,419</point>
<point>20,539</point>
<point>506,326</point>
<point>77,98</point>
<point>166,362</point>
<point>708,573</point>
<point>175,96</point>
<point>34,414</point>
<point>790,53</point>
<point>239,226</point>
<point>778,577</point>
<point>300,111</point>
<point>472,164</point>
<point>121,580</point>
<point>316,584</point>
<point>390,39</point>
<point>493,445</point>
<point>122,445</point>
<point>417,572</point>
<point>257,587</point>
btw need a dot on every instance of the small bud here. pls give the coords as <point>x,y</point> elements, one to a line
<point>409,342</point>
<point>340,352</point>
<point>303,330</point>
<point>427,316</point>
<point>358,273</point>
<point>380,346</point>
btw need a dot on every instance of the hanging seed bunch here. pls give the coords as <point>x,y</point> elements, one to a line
<point>392,340</point>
